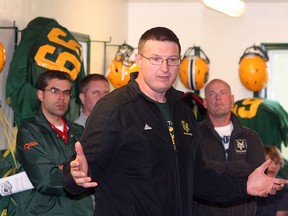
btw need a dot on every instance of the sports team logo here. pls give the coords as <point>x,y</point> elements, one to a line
<point>241,146</point>
<point>186,128</point>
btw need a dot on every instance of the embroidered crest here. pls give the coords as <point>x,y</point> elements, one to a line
<point>186,128</point>
<point>241,145</point>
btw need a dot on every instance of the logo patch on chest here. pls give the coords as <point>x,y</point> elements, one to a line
<point>241,146</point>
<point>186,128</point>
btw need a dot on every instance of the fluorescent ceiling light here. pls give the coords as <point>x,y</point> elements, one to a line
<point>233,8</point>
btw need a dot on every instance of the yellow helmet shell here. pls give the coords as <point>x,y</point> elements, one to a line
<point>194,72</point>
<point>2,57</point>
<point>253,72</point>
<point>118,74</point>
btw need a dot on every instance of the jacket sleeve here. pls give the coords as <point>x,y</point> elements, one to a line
<point>43,173</point>
<point>216,187</point>
<point>254,157</point>
<point>245,164</point>
<point>255,154</point>
<point>234,168</point>
<point>101,140</point>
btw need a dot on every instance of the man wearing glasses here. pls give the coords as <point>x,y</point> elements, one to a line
<point>44,143</point>
<point>140,146</point>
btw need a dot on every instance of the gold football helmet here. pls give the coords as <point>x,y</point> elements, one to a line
<point>194,69</point>
<point>253,69</point>
<point>121,67</point>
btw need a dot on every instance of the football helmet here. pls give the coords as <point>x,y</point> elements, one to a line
<point>2,57</point>
<point>253,68</point>
<point>119,70</point>
<point>194,69</point>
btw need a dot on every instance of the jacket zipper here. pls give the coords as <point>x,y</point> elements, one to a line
<point>177,169</point>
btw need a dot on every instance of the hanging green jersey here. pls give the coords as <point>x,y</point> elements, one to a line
<point>266,117</point>
<point>45,44</point>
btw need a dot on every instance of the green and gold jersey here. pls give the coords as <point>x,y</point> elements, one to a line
<point>266,117</point>
<point>45,44</point>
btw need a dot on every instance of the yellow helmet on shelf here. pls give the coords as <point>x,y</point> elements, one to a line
<point>118,74</point>
<point>194,70</point>
<point>119,70</point>
<point>253,69</point>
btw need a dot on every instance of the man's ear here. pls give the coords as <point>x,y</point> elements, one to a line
<point>232,100</point>
<point>40,94</point>
<point>82,97</point>
<point>138,60</point>
<point>205,103</point>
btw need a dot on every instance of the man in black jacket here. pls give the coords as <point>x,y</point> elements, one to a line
<point>141,146</point>
<point>227,147</point>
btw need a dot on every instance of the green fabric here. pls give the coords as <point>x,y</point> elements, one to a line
<point>266,117</point>
<point>165,109</point>
<point>45,44</point>
<point>7,167</point>
<point>40,150</point>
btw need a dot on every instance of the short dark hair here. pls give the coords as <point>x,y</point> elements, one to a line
<point>274,154</point>
<point>89,78</point>
<point>45,77</point>
<point>159,34</point>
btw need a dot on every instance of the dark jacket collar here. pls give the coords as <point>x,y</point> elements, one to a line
<point>45,126</point>
<point>172,94</point>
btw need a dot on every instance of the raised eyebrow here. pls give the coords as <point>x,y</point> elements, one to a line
<point>59,89</point>
<point>158,56</point>
<point>55,89</point>
<point>96,91</point>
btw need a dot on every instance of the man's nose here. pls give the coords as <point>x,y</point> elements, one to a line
<point>164,66</point>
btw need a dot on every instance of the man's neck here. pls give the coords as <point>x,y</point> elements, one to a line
<point>155,96</point>
<point>221,121</point>
<point>55,120</point>
<point>86,113</point>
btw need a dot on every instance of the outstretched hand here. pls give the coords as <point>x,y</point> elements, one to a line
<point>79,168</point>
<point>259,184</point>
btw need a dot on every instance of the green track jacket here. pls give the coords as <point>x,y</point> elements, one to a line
<point>40,150</point>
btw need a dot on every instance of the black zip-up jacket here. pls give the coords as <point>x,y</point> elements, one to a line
<point>131,156</point>
<point>246,153</point>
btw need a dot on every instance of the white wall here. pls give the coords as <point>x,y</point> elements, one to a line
<point>222,38</point>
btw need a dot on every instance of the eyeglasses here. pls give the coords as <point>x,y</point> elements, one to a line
<point>155,60</point>
<point>55,91</point>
